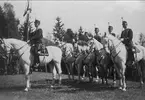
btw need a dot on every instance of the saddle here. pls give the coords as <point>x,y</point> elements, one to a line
<point>42,50</point>
<point>131,56</point>
<point>134,49</point>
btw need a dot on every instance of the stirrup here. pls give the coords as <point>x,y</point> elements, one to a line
<point>130,63</point>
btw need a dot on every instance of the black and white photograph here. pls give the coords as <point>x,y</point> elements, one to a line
<point>72,50</point>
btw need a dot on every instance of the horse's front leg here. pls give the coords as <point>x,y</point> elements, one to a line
<point>79,71</point>
<point>71,69</point>
<point>97,74</point>
<point>114,75</point>
<point>27,77</point>
<point>84,72</point>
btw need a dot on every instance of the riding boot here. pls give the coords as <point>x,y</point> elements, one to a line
<point>130,60</point>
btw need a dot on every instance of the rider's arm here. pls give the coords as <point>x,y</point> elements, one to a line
<point>121,38</point>
<point>130,35</point>
<point>38,34</point>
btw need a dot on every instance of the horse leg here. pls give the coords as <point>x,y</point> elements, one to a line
<point>79,72</point>
<point>27,77</point>
<point>114,75</point>
<point>123,76</point>
<point>68,70</point>
<point>84,71</point>
<point>106,74</point>
<point>54,72</point>
<point>140,71</point>
<point>97,74</point>
<point>90,73</point>
<point>71,69</point>
<point>58,66</point>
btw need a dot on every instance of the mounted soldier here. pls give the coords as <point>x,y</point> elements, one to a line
<point>36,42</point>
<point>97,37</point>
<point>126,38</point>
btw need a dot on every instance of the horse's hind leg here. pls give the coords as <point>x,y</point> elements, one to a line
<point>68,70</point>
<point>118,68</point>
<point>140,71</point>
<point>71,70</point>
<point>58,67</point>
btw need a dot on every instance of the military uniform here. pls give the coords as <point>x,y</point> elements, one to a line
<point>113,34</point>
<point>98,38</point>
<point>127,36</point>
<point>36,41</point>
<point>68,36</point>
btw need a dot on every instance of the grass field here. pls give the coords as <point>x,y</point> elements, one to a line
<point>11,88</point>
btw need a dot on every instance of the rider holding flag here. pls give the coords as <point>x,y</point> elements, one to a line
<point>36,41</point>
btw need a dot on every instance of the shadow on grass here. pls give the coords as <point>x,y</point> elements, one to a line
<point>67,86</point>
<point>85,86</point>
<point>11,89</point>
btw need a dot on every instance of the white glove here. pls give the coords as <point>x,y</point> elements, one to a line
<point>121,39</point>
<point>28,41</point>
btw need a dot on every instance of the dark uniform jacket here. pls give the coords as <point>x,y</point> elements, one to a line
<point>127,35</point>
<point>98,38</point>
<point>83,37</point>
<point>68,38</point>
<point>36,36</point>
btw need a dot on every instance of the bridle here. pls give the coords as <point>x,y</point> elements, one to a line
<point>114,46</point>
<point>6,52</point>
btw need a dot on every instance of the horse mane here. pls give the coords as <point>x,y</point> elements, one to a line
<point>115,40</point>
<point>16,41</point>
<point>98,44</point>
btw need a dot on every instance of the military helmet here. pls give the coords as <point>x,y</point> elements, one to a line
<point>110,27</point>
<point>37,21</point>
<point>124,22</point>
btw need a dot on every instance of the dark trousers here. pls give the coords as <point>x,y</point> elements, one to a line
<point>34,51</point>
<point>129,46</point>
<point>130,55</point>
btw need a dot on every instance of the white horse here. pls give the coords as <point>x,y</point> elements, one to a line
<point>26,59</point>
<point>119,56</point>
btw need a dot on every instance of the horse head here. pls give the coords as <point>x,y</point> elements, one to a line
<point>5,48</point>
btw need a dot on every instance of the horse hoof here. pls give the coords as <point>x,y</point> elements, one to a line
<point>82,78</point>
<point>26,90</point>
<point>51,86</point>
<point>120,88</point>
<point>124,89</point>
<point>97,80</point>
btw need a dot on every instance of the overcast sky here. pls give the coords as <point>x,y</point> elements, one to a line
<point>86,14</point>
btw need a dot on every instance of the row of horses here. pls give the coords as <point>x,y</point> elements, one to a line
<point>91,55</point>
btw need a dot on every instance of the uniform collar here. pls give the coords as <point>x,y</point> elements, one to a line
<point>37,28</point>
